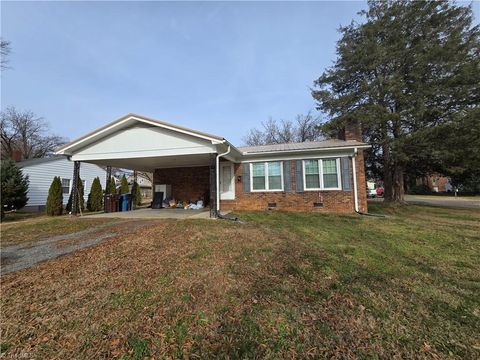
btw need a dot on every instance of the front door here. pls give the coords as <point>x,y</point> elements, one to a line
<point>227,182</point>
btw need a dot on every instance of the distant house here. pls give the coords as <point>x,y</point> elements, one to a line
<point>144,183</point>
<point>42,171</point>
<point>436,183</point>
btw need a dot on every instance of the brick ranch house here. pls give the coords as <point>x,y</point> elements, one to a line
<point>325,175</point>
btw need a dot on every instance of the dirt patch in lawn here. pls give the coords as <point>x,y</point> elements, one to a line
<point>27,254</point>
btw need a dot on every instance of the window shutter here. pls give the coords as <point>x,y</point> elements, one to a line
<point>299,175</point>
<point>346,178</point>
<point>287,176</point>
<point>246,177</point>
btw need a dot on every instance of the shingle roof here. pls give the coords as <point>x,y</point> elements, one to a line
<point>332,143</point>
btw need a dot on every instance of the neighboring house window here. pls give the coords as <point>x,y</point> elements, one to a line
<point>267,176</point>
<point>66,186</point>
<point>321,174</point>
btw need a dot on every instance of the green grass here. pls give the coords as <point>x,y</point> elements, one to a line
<point>282,285</point>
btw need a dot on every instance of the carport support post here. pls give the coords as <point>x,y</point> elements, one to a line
<point>108,176</point>
<point>213,185</point>
<point>76,176</point>
<point>134,204</point>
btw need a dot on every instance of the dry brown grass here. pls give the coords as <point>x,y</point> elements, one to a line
<point>205,289</point>
<point>41,227</point>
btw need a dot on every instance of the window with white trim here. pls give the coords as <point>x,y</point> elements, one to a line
<point>66,186</point>
<point>266,176</point>
<point>330,174</point>
<point>321,174</point>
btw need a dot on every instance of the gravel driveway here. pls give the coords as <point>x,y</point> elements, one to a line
<point>25,255</point>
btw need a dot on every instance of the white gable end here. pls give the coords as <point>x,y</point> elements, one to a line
<point>144,141</point>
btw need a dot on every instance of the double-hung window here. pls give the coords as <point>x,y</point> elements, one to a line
<point>266,176</point>
<point>321,174</point>
<point>66,186</point>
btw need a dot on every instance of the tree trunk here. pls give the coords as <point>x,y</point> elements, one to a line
<point>394,184</point>
<point>393,178</point>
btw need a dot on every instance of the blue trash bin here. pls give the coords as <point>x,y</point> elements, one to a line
<point>124,202</point>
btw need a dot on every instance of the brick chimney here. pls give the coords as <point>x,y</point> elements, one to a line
<point>351,131</point>
<point>16,155</point>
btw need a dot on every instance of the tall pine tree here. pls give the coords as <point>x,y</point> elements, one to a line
<point>14,187</point>
<point>411,66</point>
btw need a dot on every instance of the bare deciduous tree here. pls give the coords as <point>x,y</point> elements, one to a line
<point>303,128</point>
<point>26,133</point>
<point>4,51</point>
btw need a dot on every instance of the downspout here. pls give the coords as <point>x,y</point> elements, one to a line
<point>218,178</point>
<point>354,170</point>
<point>355,192</point>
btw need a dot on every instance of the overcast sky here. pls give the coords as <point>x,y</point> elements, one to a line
<point>216,67</point>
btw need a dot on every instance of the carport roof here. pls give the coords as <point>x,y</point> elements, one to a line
<point>114,125</point>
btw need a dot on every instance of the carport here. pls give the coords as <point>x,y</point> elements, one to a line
<point>139,143</point>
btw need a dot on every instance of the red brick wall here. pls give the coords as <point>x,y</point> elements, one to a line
<point>333,200</point>
<point>361,182</point>
<point>192,183</point>
<point>188,183</point>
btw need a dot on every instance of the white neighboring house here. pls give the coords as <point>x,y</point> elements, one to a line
<point>42,171</point>
<point>144,183</point>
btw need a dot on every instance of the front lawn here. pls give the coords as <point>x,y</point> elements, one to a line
<point>40,227</point>
<point>282,285</point>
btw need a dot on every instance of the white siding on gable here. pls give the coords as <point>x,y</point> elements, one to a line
<point>41,176</point>
<point>144,141</point>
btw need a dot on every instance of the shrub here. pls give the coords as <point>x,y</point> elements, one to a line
<point>14,187</point>
<point>95,198</point>
<point>136,194</point>
<point>54,206</point>
<point>124,189</point>
<point>111,186</point>
<point>81,200</point>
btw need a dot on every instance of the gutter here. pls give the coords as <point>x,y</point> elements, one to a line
<point>217,165</point>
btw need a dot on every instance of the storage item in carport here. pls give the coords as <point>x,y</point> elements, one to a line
<point>157,200</point>
<point>172,203</point>
<point>112,203</point>
<point>166,189</point>
<point>197,206</point>
<point>166,202</point>
<point>126,202</point>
